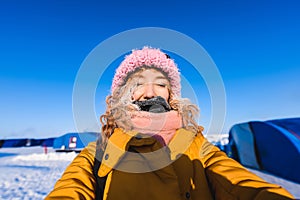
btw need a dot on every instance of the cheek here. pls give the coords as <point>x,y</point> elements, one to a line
<point>166,95</point>
<point>136,94</point>
<point>163,92</point>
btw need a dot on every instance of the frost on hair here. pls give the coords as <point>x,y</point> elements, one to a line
<point>120,105</point>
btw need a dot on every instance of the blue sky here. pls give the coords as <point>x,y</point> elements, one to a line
<point>255,45</point>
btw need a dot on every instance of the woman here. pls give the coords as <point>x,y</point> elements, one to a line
<point>151,146</point>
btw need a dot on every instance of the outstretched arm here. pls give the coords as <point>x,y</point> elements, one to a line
<point>230,180</point>
<point>77,182</point>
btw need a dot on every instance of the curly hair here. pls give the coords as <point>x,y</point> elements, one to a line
<point>120,103</point>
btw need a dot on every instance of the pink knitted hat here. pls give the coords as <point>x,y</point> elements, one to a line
<point>148,57</point>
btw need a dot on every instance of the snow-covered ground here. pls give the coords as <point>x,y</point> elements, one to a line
<point>28,173</point>
<point>292,187</point>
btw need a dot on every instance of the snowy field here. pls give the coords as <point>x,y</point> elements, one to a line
<point>28,173</point>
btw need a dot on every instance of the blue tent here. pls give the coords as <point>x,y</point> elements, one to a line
<point>25,142</point>
<point>48,142</point>
<point>14,143</point>
<point>273,146</point>
<point>74,141</point>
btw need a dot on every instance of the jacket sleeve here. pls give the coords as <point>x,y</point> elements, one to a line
<point>230,180</point>
<point>78,181</point>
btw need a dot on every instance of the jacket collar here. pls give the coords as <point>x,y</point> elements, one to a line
<point>118,143</point>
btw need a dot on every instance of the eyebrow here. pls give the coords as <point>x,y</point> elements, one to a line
<point>161,77</point>
<point>157,77</point>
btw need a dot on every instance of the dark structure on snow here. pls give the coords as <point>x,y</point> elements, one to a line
<point>273,146</point>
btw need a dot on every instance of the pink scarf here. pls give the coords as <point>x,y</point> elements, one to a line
<point>162,126</point>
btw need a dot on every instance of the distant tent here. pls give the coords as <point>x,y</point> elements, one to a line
<point>273,146</point>
<point>48,142</point>
<point>74,141</point>
<point>14,143</point>
<point>26,142</point>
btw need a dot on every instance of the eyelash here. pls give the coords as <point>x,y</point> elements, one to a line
<point>161,85</point>
<point>158,84</point>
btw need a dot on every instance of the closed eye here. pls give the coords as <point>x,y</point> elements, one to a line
<point>161,84</point>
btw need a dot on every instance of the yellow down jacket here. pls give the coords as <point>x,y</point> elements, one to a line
<point>140,168</point>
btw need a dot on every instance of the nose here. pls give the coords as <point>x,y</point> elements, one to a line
<point>149,91</point>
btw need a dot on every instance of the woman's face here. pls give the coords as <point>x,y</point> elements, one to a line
<point>150,83</point>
